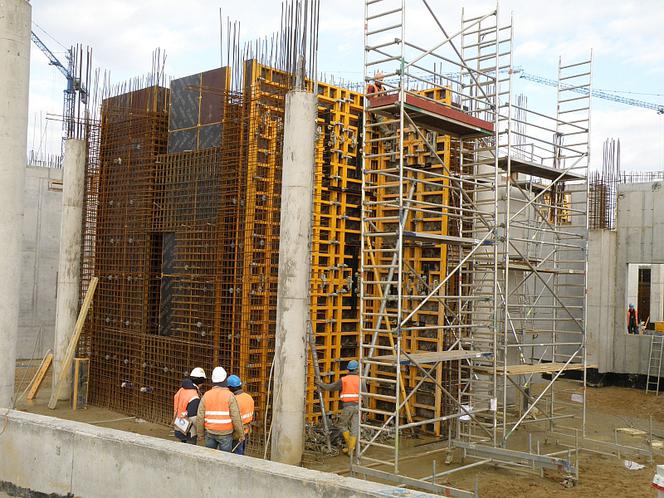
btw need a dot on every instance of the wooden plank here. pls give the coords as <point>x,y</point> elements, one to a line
<point>431,357</point>
<point>537,368</point>
<point>39,376</point>
<point>71,348</point>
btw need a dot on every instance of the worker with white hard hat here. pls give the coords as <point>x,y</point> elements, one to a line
<point>349,419</point>
<point>185,406</point>
<point>218,421</point>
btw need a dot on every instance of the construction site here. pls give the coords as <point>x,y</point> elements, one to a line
<point>425,223</point>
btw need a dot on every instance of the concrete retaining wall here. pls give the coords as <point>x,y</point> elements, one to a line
<point>49,455</point>
<point>39,270</point>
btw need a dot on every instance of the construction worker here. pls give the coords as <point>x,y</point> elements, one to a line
<point>349,420</point>
<point>385,129</point>
<point>185,406</point>
<point>219,415</point>
<point>377,85</point>
<point>246,404</point>
<point>632,320</point>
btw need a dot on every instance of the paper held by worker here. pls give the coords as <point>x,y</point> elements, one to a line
<point>182,424</point>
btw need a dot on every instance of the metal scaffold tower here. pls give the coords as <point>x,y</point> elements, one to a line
<point>473,245</point>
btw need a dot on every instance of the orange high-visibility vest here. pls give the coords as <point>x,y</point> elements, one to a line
<point>182,399</point>
<point>373,88</point>
<point>217,409</point>
<point>350,388</point>
<point>246,405</point>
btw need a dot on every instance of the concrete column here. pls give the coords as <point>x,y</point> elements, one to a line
<point>656,293</point>
<point>69,266</point>
<point>294,277</point>
<point>15,22</point>
<point>632,289</point>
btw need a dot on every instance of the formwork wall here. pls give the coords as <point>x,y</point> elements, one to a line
<point>182,229</point>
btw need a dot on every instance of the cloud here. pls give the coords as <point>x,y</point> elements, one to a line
<point>625,37</point>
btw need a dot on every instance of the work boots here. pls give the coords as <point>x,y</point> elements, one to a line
<point>350,443</point>
<point>346,436</point>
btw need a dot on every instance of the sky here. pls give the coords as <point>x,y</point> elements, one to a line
<point>625,36</point>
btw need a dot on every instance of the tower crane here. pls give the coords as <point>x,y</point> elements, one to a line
<point>595,93</point>
<point>73,88</point>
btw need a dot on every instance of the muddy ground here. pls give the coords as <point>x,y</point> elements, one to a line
<point>600,475</point>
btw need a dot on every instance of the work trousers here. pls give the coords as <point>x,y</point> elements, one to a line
<point>217,442</point>
<point>349,419</point>
<point>633,327</point>
<point>240,446</point>
<point>185,438</point>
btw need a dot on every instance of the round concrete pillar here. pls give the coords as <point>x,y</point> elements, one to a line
<point>290,357</point>
<point>69,266</point>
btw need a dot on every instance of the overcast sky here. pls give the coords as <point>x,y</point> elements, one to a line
<point>626,38</point>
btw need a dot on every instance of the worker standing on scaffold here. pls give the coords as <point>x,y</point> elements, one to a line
<point>349,420</point>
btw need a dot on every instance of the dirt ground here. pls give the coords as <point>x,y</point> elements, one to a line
<point>600,475</point>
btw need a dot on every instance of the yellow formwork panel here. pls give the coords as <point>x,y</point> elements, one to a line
<point>336,238</point>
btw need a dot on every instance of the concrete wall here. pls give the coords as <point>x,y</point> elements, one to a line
<point>50,455</point>
<point>41,235</point>
<point>601,300</point>
<point>638,240</point>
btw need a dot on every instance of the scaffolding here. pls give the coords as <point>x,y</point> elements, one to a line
<point>501,210</point>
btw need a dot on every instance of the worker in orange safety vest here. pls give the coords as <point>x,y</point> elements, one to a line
<point>377,85</point>
<point>185,406</point>
<point>218,420</point>
<point>246,404</point>
<point>349,420</point>
<point>632,320</point>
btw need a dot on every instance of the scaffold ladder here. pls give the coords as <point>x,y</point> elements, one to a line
<point>655,363</point>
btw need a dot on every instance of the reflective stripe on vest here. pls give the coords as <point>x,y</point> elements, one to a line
<point>217,409</point>
<point>350,388</point>
<point>181,401</point>
<point>246,405</point>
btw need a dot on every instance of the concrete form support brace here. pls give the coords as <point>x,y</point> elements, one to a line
<point>69,267</point>
<point>15,25</point>
<point>294,277</point>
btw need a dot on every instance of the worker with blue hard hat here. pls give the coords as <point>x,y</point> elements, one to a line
<point>246,404</point>
<point>632,320</point>
<point>349,420</point>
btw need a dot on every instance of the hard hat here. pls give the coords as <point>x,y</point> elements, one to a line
<point>631,305</point>
<point>353,365</point>
<point>218,374</point>
<point>198,372</point>
<point>234,381</point>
